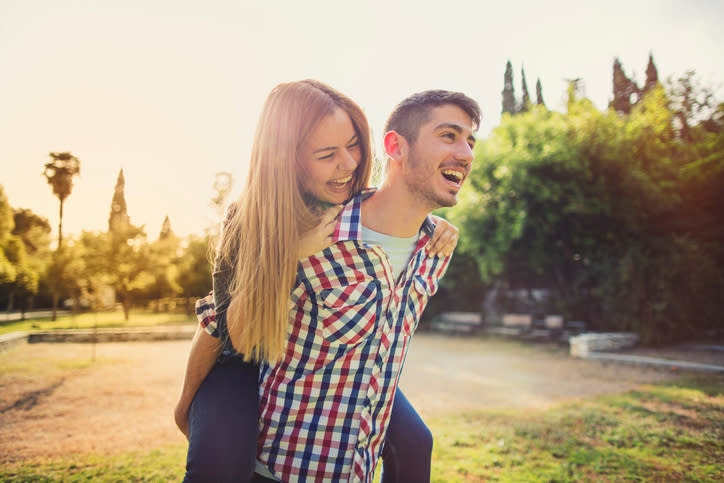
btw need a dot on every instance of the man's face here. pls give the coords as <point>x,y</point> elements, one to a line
<point>440,160</point>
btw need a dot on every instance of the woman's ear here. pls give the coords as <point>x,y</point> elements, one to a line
<point>395,145</point>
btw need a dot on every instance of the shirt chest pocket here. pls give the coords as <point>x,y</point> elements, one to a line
<point>349,313</point>
<point>419,294</point>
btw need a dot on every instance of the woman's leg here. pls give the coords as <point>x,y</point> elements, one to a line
<point>408,445</point>
<point>224,424</point>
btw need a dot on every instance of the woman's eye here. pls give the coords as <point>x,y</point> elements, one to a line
<point>326,156</point>
<point>449,135</point>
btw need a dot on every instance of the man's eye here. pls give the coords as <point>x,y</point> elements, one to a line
<point>449,135</point>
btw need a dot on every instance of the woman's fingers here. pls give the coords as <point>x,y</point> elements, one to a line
<point>444,239</point>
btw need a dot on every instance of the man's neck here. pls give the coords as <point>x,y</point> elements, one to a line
<point>391,210</point>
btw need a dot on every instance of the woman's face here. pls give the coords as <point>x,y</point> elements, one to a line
<point>329,158</point>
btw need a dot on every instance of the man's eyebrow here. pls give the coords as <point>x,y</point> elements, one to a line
<point>454,127</point>
<point>332,148</point>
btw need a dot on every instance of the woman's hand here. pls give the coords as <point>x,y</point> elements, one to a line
<point>444,240</point>
<point>319,237</point>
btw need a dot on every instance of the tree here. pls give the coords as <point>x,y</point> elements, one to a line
<point>590,205</point>
<point>164,258</point>
<point>195,266</point>
<point>539,93</point>
<point>625,91</point>
<point>223,183</point>
<point>128,257</point>
<point>8,271</point>
<point>525,101</point>
<point>691,104</point>
<point>34,233</point>
<point>508,90</point>
<point>118,217</point>
<point>59,173</point>
<point>652,76</point>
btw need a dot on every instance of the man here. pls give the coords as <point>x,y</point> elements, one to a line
<point>325,409</point>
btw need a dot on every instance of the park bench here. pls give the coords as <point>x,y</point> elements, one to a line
<point>457,322</point>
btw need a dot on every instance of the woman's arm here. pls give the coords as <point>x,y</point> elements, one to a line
<point>204,351</point>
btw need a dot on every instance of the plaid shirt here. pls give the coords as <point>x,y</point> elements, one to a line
<point>326,406</point>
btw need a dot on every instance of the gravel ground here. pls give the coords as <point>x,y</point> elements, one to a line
<point>56,400</point>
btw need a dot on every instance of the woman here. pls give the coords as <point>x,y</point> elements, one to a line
<point>311,153</point>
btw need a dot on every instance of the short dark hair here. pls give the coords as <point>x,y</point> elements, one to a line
<point>414,111</point>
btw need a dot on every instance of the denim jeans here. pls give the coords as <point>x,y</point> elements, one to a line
<point>223,430</point>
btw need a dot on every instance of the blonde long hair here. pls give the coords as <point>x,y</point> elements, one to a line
<point>261,236</point>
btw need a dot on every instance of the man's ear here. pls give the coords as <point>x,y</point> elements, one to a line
<point>395,145</point>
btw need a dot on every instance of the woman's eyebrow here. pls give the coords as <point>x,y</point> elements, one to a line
<point>332,148</point>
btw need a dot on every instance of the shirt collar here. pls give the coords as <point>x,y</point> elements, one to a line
<point>349,226</point>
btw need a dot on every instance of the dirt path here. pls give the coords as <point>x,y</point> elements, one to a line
<point>55,401</point>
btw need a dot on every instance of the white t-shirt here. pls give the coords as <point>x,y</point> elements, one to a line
<point>399,250</point>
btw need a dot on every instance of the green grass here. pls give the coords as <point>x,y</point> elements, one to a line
<point>90,320</point>
<point>672,431</point>
<point>164,464</point>
<point>663,432</point>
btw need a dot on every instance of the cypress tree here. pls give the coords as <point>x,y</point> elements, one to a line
<point>652,75</point>
<point>166,231</point>
<point>525,101</point>
<point>118,219</point>
<point>508,90</point>
<point>539,93</point>
<point>623,89</point>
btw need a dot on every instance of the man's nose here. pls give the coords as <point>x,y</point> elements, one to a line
<point>465,153</point>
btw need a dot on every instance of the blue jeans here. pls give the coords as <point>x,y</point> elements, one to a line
<point>223,431</point>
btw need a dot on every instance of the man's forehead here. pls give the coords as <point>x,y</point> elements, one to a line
<point>450,115</point>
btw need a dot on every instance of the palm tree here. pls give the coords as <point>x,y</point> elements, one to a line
<point>59,172</point>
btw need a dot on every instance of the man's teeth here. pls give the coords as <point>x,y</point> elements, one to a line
<point>451,173</point>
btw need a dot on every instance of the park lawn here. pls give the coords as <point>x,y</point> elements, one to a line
<point>661,432</point>
<point>89,320</point>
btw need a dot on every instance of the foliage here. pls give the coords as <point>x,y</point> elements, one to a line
<point>508,90</point>
<point>625,91</point>
<point>614,212</point>
<point>525,99</point>
<point>59,173</point>
<point>195,268</point>
<point>539,93</point>
<point>8,242</point>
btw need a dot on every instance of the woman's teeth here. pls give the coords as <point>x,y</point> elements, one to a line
<point>340,182</point>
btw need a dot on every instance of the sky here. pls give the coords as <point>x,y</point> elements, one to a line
<point>170,91</point>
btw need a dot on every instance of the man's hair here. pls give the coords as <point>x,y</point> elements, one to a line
<point>414,111</point>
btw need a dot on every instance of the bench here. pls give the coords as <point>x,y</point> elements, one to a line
<point>457,322</point>
<point>584,344</point>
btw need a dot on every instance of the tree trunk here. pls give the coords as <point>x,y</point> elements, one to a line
<point>60,226</point>
<point>55,305</point>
